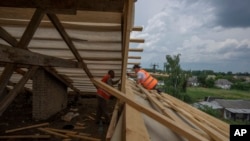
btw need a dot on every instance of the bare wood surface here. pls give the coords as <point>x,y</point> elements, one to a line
<point>61,131</point>
<point>113,121</point>
<point>25,137</point>
<point>137,40</point>
<point>177,128</point>
<point>134,123</point>
<point>53,133</point>
<point>27,127</point>
<point>84,137</point>
<point>5,76</point>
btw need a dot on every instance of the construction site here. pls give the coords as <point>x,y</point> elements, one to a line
<point>53,55</point>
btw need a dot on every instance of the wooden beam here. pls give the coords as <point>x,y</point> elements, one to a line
<point>67,6</point>
<point>137,40</point>
<point>26,137</point>
<point>27,127</point>
<point>65,36</point>
<point>171,114</point>
<point>31,28</point>
<point>21,16</point>
<point>7,37</point>
<point>135,49</point>
<point>137,28</point>
<point>177,128</point>
<point>5,76</point>
<point>128,14</point>
<point>134,57</point>
<point>135,129</point>
<point>21,56</point>
<point>13,93</point>
<point>69,25</point>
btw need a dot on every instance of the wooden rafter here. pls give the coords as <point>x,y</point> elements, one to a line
<point>31,28</point>
<point>69,42</point>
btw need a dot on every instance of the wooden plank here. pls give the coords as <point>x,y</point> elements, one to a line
<point>135,49</point>
<point>188,108</point>
<point>137,40</point>
<point>22,14</point>
<point>27,127</point>
<point>84,137</point>
<point>113,121</point>
<point>135,129</point>
<point>69,42</point>
<point>86,26</point>
<point>22,56</point>
<point>127,26</point>
<point>137,28</point>
<point>177,128</point>
<point>210,128</point>
<point>7,37</point>
<point>170,113</point>
<point>31,28</point>
<point>56,5</point>
<point>134,57</point>
<point>13,93</point>
<point>5,76</point>
<point>61,131</point>
<point>25,137</point>
<point>53,133</point>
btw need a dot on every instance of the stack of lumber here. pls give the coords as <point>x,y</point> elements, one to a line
<point>149,116</point>
<point>48,133</point>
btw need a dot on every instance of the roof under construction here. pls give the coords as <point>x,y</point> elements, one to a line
<point>78,41</point>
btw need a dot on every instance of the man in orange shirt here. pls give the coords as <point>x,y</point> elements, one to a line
<point>103,97</point>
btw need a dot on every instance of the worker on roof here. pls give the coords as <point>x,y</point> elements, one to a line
<point>103,97</point>
<point>145,79</point>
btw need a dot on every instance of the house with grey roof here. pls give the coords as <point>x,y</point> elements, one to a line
<point>231,109</point>
<point>223,83</point>
<point>193,81</point>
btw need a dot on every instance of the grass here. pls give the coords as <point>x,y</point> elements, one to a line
<point>198,93</point>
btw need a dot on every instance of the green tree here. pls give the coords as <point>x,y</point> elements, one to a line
<point>177,81</point>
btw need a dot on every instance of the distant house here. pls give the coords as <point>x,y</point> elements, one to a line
<point>230,109</point>
<point>211,77</point>
<point>193,81</point>
<point>223,83</point>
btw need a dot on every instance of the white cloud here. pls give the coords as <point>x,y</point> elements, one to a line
<point>189,28</point>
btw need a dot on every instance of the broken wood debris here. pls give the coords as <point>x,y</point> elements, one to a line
<point>28,127</point>
<point>25,137</point>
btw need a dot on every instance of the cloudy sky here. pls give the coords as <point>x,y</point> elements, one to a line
<point>209,34</point>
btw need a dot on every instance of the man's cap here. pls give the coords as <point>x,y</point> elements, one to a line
<point>136,66</point>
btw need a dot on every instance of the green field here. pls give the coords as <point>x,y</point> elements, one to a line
<point>198,93</point>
